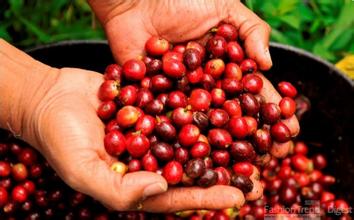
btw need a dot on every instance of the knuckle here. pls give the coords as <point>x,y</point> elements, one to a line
<point>267,27</point>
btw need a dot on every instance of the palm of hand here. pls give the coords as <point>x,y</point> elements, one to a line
<point>140,23</point>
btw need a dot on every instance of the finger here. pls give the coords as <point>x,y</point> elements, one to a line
<point>270,94</point>
<point>257,190</point>
<point>190,198</point>
<point>281,150</point>
<point>132,40</point>
<point>254,31</point>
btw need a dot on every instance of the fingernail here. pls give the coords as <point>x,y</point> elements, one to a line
<point>267,56</point>
<point>154,189</point>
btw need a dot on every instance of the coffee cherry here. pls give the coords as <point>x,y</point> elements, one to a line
<point>188,135</point>
<point>113,72</point>
<point>145,124</point>
<point>160,83</point>
<point>215,68</point>
<point>227,31</point>
<point>29,186</point>
<point>197,46</point>
<point>270,113</point>
<point>218,97</point>
<point>242,182</point>
<point>106,110</point>
<point>19,194</point>
<point>134,69</point>
<point>201,120</point>
<point>180,48</point>
<point>200,150</point>
<point>173,69</point>
<point>3,196</point>
<point>149,162</point>
<point>235,52</point>
<point>112,125</point>
<point>137,145</point>
<point>300,148</point>
<point>115,143</point>
<point>221,157</point>
<point>162,151</point>
<point>217,46</point>
<point>192,58</point>
<point>288,195</point>
<point>19,172</point>
<point>195,76</point>
<point>233,71</point>
<point>252,83</point>
<point>286,89</point>
<point>119,167</point>
<point>231,86</point>
<point>128,116</point>
<point>233,108</point>
<point>5,169</point>
<point>252,124</point>
<point>173,172</point>
<point>134,165</point>
<point>152,68</point>
<point>262,140</point>
<point>128,95</point>
<point>156,46</point>
<point>181,116</point>
<point>195,168</point>
<point>200,100</point>
<point>28,156</point>
<point>238,127</point>
<point>218,117</point>
<point>301,163</point>
<point>243,168</point>
<point>177,99</point>
<point>242,151</point>
<point>181,155</point>
<point>209,178</point>
<point>155,107</point>
<point>220,138</point>
<point>223,176</point>
<point>319,161</point>
<point>287,107</point>
<point>248,66</point>
<point>280,132</point>
<point>249,104</point>
<point>165,131</point>
<point>108,90</point>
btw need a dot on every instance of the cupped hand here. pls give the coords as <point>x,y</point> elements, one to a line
<point>129,24</point>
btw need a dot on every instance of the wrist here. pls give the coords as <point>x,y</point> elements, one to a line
<point>23,83</point>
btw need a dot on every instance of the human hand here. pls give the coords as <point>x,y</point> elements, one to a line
<point>129,24</point>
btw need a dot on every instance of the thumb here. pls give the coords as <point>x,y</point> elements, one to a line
<point>254,32</point>
<point>121,192</point>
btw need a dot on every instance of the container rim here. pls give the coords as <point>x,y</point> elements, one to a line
<point>272,44</point>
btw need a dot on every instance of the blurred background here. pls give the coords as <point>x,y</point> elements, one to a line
<point>323,27</point>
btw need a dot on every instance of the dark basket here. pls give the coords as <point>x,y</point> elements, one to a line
<point>328,127</point>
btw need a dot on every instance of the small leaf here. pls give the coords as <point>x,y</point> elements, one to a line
<point>280,37</point>
<point>292,20</point>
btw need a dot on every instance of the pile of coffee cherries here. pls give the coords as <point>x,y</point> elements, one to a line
<point>30,189</point>
<point>191,112</point>
<point>294,188</point>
